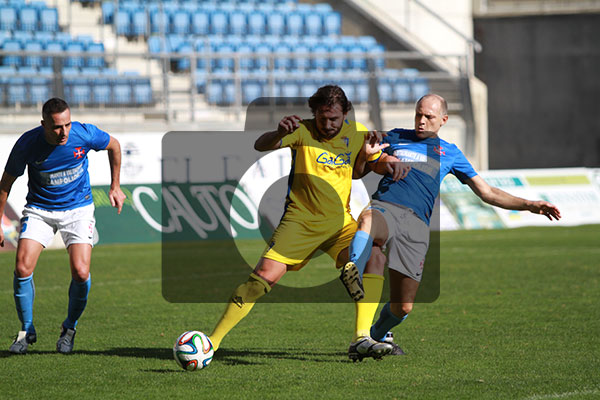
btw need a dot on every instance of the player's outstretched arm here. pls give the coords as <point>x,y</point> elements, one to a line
<point>272,140</point>
<point>497,197</point>
<point>115,194</point>
<point>5,185</point>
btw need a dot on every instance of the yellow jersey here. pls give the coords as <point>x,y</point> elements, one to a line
<point>320,179</point>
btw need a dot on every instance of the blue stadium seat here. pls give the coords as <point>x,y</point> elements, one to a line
<point>33,60</point>
<point>214,92</point>
<point>108,12</point>
<point>38,93</point>
<point>185,48</point>
<point>12,45</point>
<point>313,24</point>
<point>181,22</point>
<point>358,60</point>
<point>246,63</point>
<point>282,56</point>
<point>159,22</point>
<point>289,88</point>
<point>49,20</point>
<point>142,93</point>
<point>122,93</point>
<point>8,19</point>
<point>256,23</point>
<point>200,23</point>
<point>295,24</point>
<point>77,60</point>
<point>101,93</point>
<point>28,19</point>
<point>80,94</point>
<point>276,23</point>
<point>238,23</point>
<point>376,54</point>
<point>225,63</point>
<point>251,90</point>
<point>123,22</point>
<point>385,91</point>
<point>262,62</point>
<point>95,61</point>
<point>53,47</point>
<point>218,23</point>
<point>320,59</point>
<point>301,61</point>
<point>308,88</point>
<point>229,93</point>
<point>156,44</point>
<point>139,23</point>
<point>332,23</point>
<point>17,91</point>
<point>201,48</point>
<point>341,61</point>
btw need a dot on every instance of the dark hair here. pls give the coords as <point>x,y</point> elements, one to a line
<point>53,106</point>
<point>329,95</point>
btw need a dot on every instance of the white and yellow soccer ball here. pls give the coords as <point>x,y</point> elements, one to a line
<point>193,350</point>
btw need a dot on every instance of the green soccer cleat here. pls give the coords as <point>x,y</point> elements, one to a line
<point>352,281</point>
<point>368,347</point>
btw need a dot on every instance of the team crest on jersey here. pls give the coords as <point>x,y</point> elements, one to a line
<point>79,153</point>
<point>439,150</point>
<point>346,140</point>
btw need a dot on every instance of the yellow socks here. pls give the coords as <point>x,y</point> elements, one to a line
<point>241,302</point>
<point>367,307</point>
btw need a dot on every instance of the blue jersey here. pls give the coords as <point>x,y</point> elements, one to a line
<point>58,175</point>
<point>431,160</point>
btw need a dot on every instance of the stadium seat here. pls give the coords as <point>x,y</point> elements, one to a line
<point>13,59</point>
<point>8,19</point>
<point>224,63</point>
<point>53,47</point>
<point>80,94</point>
<point>294,23</point>
<point>200,23</point>
<point>229,93</point>
<point>251,90</point>
<point>256,23</point>
<point>101,93</point>
<point>320,56</point>
<point>49,20</point>
<point>301,61</point>
<point>357,60</point>
<point>17,91</point>
<point>246,63</point>
<point>156,44</point>
<point>340,61</point>
<point>282,56</point>
<point>28,19</point>
<point>122,93</point>
<point>97,60</point>
<point>332,23</point>
<point>139,23</point>
<point>218,23</point>
<point>33,60</point>
<point>185,48</point>
<point>313,24</point>
<point>142,93</point>
<point>275,23</point>
<point>264,50</point>
<point>238,23</point>
<point>123,22</point>
<point>77,60</point>
<point>108,12</point>
<point>159,22</point>
<point>181,22</point>
<point>38,93</point>
<point>214,92</point>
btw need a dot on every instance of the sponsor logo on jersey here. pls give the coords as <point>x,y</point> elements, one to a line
<point>333,160</point>
<point>439,150</point>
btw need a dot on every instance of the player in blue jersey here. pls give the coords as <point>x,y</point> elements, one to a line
<point>59,199</point>
<point>399,216</point>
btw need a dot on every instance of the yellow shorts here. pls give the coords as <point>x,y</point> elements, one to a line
<point>294,242</point>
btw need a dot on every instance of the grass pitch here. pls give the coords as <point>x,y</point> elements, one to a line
<point>518,317</point>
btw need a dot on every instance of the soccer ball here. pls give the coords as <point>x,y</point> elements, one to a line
<point>193,350</point>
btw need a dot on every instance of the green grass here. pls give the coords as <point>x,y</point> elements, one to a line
<point>518,317</point>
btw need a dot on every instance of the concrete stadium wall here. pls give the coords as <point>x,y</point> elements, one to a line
<point>543,78</point>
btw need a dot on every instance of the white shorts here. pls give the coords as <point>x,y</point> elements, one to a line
<point>75,226</point>
<point>408,238</point>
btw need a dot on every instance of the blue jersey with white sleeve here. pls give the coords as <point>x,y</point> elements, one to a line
<point>58,175</point>
<point>431,159</point>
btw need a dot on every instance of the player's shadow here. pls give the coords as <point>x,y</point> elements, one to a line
<point>240,357</point>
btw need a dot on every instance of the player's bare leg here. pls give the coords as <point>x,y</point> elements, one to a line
<point>28,253</point>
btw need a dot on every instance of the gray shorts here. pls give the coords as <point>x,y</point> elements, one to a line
<point>408,238</point>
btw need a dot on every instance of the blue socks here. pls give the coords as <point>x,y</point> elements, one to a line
<point>387,320</point>
<point>24,292</point>
<point>360,250</point>
<point>78,294</point>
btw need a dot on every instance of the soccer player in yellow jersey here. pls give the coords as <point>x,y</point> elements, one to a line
<point>325,150</point>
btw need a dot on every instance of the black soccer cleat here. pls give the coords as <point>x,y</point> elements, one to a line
<point>368,347</point>
<point>352,281</point>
